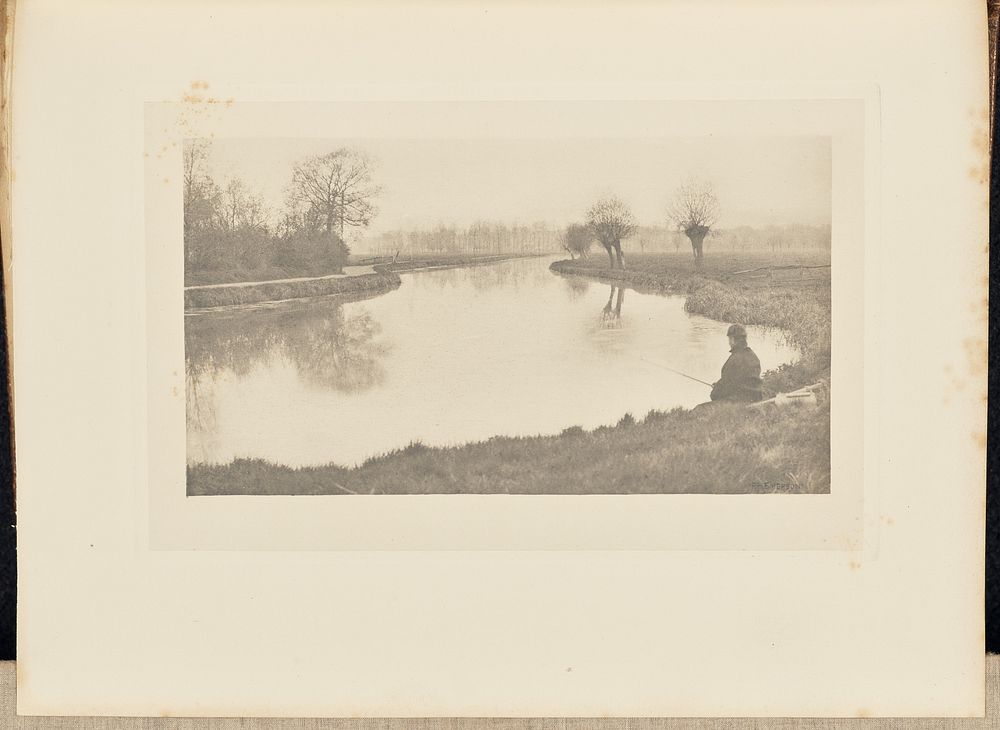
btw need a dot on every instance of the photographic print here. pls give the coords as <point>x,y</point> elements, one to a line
<point>486,369</point>
<point>507,316</point>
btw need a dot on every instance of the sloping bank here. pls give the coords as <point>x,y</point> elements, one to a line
<point>375,282</point>
<point>721,450</point>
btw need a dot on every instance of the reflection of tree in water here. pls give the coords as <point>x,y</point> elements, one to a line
<point>338,352</point>
<point>577,286</point>
<point>611,315</point>
<point>610,334</point>
<point>496,276</point>
<point>327,347</point>
<point>199,409</point>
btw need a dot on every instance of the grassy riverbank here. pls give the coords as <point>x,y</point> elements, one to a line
<point>722,449</point>
<point>263,273</point>
<point>273,291</point>
<point>719,450</point>
<point>385,278</point>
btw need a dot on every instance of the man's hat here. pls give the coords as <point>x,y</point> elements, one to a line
<point>736,330</point>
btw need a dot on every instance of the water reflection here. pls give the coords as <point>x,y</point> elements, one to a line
<point>611,316</point>
<point>576,286</point>
<point>337,352</point>
<point>513,274</point>
<point>451,356</point>
<point>327,348</point>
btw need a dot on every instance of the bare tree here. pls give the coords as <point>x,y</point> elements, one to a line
<point>336,188</point>
<point>577,239</point>
<point>201,196</point>
<point>694,211</point>
<point>241,208</point>
<point>610,220</point>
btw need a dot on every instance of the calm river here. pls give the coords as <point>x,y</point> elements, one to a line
<point>450,357</point>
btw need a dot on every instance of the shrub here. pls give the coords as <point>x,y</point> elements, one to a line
<point>626,420</point>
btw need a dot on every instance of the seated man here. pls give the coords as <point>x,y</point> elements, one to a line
<point>740,381</point>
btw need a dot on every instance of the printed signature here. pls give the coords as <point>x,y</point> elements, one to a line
<point>775,486</point>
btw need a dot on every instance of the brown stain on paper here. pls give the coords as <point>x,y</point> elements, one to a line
<point>976,350</point>
<point>196,94</point>
<point>197,106</point>
<point>980,172</point>
<point>976,347</point>
<point>979,437</point>
<point>977,354</point>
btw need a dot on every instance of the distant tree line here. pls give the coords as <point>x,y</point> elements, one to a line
<point>659,239</point>
<point>230,234</point>
<point>773,238</point>
<point>480,238</point>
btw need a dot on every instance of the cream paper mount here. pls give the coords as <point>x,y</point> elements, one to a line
<point>135,599</point>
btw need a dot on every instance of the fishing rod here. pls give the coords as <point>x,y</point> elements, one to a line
<point>805,393</point>
<point>673,370</point>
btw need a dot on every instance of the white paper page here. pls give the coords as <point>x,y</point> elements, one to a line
<point>137,597</point>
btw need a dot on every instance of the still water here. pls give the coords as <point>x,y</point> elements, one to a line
<point>450,357</point>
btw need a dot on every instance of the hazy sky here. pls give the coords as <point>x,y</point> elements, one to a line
<point>425,181</point>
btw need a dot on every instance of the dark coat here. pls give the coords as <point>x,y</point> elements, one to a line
<point>740,379</point>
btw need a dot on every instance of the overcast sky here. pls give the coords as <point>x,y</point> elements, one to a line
<point>759,181</point>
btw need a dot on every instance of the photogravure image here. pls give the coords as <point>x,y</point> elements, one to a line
<point>507,316</point>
